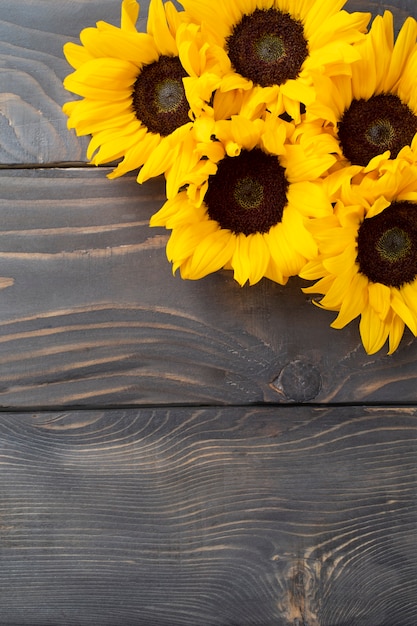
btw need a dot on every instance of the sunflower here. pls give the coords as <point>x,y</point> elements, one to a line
<point>133,102</point>
<point>245,205</point>
<point>372,114</point>
<point>367,262</point>
<point>278,46</point>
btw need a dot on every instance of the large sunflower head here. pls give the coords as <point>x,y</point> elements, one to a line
<point>133,98</point>
<point>280,45</point>
<point>367,262</point>
<point>372,114</point>
<point>247,210</point>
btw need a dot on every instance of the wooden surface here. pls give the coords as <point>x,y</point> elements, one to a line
<point>190,517</point>
<point>177,453</point>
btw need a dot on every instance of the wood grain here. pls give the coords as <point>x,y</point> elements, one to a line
<point>209,517</point>
<point>193,513</point>
<point>95,317</point>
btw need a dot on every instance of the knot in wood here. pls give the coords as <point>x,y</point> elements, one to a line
<point>298,381</point>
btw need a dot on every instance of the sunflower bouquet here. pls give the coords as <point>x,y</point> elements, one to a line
<point>286,131</point>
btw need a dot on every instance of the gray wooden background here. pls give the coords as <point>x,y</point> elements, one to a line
<point>177,453</point>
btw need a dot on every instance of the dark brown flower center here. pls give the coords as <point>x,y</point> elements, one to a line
<point>267,47</point>
<point>248,193</point>
<point>370,127</point>
<point>387,245</point>
<point>158,97</point>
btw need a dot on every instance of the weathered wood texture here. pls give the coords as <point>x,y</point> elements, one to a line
<point>209,517</point>
<point>177,516</point>
<point>95,317</point>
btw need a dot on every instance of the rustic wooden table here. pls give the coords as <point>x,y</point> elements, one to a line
<point>177,453</point>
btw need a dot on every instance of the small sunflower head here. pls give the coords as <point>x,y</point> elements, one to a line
<point>387,245</point>
<point>158,97</point>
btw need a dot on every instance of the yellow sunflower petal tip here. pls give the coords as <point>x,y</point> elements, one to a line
<point>130,14</point>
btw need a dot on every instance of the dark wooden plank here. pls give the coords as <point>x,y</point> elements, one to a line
<point>32,67</point>
<point>95,316</point>
<point>206,517</point>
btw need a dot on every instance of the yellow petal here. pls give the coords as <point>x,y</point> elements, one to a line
<point>212,253</point>
<point>244,132</point>
<point>338,290</point>
<point>138,48</point>
<point>260,256</point>
<point>343,262</point>
<point>130,14</point>
<point>301,166</point>
<point>409,295</point>
<point>353,303</point>
<point>318,13</point>
<point>310,199</point>
<point>403,311</point>
<point>396,332</point>
<point>321,286</point>
<point>76,55</point>
<point>298,91</point>
<point>288,261</point>
<point>241,260</point>
<point>380,299</point>
<point>374,332</point>
<point>183,241</point>
<point>297,235</point>
<point>158,27</point>
<point>162,157</point>
<point>136,155</point>
<point>312,270</point>
<point>404,46</point>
